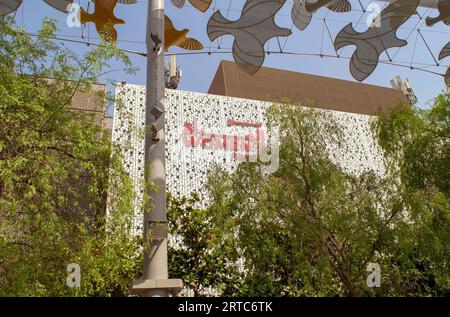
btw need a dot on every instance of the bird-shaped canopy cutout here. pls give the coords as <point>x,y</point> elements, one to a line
<point>257,25</point>
<point>253,29</point>
<point>201,5</point>
<point>444,14</point>
<point>302,10</point>
<point>174,37</point>
<point>103,17</point>
<point>373,42</point>
<point>61,5</point>
<point>443,54</point>
<point>9,6</point>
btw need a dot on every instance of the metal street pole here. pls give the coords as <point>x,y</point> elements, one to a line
<point>155,282</point>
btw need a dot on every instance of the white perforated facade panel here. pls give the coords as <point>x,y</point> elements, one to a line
<point>187,166</point>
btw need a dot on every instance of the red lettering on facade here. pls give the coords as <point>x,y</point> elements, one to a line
<point>194,137</point>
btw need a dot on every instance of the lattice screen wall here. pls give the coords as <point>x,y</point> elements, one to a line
<point>187,167</point>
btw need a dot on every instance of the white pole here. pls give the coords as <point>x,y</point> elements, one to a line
<point>155,282</point>
<point>155,261</point>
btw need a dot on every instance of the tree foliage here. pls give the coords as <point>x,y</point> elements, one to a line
<point>59,173</point>
<point>204,263</point>
<point>312,229</point>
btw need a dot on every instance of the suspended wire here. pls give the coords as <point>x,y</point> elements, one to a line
<point>66,38</point>
<point>228,10</point>
<point>87,43</point>
<point>219,40</point>
<point>267,52</point>
<point>414,50</point>
<point>322,36</point>
<point>329,34</point>
<point>415,28</point>
<point>362,7</point>
<point>428,47</point>
<point>321,55</point>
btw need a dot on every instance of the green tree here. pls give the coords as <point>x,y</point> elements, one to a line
<point>311,229</point>
<point>416,141</point>
<point>204,263</point>
<point>59,173</point>
<point>416,145</point>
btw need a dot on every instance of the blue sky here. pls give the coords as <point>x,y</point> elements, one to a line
<point>198,70</point>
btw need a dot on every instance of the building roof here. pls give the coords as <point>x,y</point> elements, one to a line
<point>270,84</point>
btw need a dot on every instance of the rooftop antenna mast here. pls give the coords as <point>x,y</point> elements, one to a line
<point>173,73</point>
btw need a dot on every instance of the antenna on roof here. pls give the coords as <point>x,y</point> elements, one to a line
<point>172,73</point>
<point>405,86</point>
